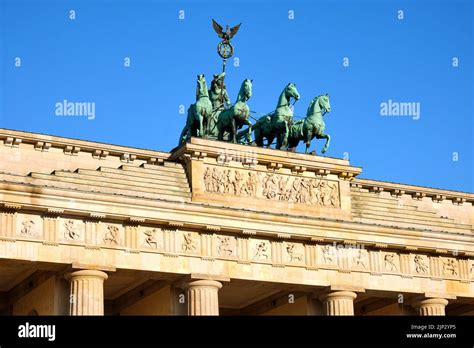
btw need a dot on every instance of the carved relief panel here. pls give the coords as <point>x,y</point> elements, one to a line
<point>419,264</point>
<point>150,238</point>
<point>294,253</point>
<point>260,250</point>
<point>190,242</point>
<point>71,230</point>
<point>359,259</point>
<point>327,255</point>
<point>449,267</point>
<point>390,262</point>
<point>29,226</point>
<point>111,234</point>
<point>271,186</point>
<point>225,246</point>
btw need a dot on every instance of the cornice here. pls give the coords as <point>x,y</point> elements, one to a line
<point>73,147</point>
<point>197,148</point>
<point>416,192</point>
<point>197,216</point>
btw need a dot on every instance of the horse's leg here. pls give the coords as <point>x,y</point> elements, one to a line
<point>278,137</point>
<point>328,140</point>
<point>270,139</point>
<point>278,142</point>
<point>258,137</point>
<point>292,143</point>
<point>200,116</point>
<point>234,130</point>
<point>308,135</point>
<point>284,143</point>
<point>249,133</point>
<point>219,126</point>
<point>220,132</point>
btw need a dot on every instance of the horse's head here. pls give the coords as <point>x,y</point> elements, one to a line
<point>201,85</point>
<point>245,91</point>
<point>247,88</point>
<point>319,103</point>
<point>291,91</point>
<point>324,103</point>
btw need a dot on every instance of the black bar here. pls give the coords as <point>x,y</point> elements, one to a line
<point>290,331</point>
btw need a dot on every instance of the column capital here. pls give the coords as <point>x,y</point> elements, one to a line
<point>86,273</point>
<point>433,301</point>
<point>185,282</point>
<point>431,306</point>
<point>202,283</point>
<point>349,295</point>
<point>339,302</point>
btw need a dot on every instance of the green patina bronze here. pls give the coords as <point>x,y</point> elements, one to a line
<point>283,115</point>
<point>220,100</point>
<point>213,117</point>
<point>276,124</point>
<point>225,48</point>
<point>232,119</point>
<point>312,126</point>
<point>218,92</point>
<point>197,112</point>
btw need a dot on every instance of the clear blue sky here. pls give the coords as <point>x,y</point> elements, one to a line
<point>409,60</point>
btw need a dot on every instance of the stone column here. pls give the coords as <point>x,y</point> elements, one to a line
<point>203,297</point>
<point>87,292</point>
<point>339,302</point>
<point>432,306</point>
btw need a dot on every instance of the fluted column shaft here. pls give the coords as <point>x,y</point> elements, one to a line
<point>339,303</point>
<point>432,306</point>
<point>203,298</point>
<point>86,292</point>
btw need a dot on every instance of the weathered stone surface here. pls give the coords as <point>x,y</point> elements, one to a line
<point>266,220</point>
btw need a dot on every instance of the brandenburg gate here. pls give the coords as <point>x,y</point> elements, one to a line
<point>217,228</point>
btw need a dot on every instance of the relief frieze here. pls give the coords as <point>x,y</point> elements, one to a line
<point>295,253</point>
<point>271,186</point>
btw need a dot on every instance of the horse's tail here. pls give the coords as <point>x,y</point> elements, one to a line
<point>189,117</point>
<point>184,135</point>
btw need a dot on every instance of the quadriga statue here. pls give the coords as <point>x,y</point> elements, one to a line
<point>277,123</point>
<point>232,119</point>
<point>312,126</point>
<point>198,113</point>
<point>220,101</point>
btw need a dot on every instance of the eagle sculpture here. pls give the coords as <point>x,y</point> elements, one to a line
<point>225,35</point>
